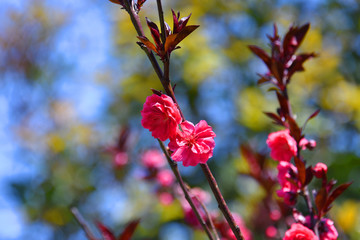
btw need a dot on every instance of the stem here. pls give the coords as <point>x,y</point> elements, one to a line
<point>162,22</point>
<point>221,202</point>
<point>79,218</point>
<point>175,169</point>
<point>209,219</point>
<point>165,81</point>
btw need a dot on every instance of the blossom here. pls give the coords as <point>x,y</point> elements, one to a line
<point>288,181</point>
<point>299,232</point>
<point>120,159</point>
<point>161,116</point>
<point>319,170</point>
<point>327,230</point>
<point>193,144</point>
<point>307,144</point>
<point>165,178</point>
<point>153,159</point>
<point>227,233</point>
<point>282,145</point>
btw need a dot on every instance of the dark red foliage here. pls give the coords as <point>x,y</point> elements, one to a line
<point>180,32</point>
<point>283,63</point>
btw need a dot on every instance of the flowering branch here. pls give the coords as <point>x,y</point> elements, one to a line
<point>163,48</point>
<point>287,144</point>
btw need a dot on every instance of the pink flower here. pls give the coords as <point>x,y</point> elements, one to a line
<point>227,233</point>
<point>299,232</point>
<point>165,178</point>
<point>307,144</point>
<point>327,230</point>
<point>320,170</point>
<point>193,144</point>
<point>288,181</point>
<point>153,159</point>
<point>271,232</point>
<point>161,116</point>
<point>165,198</point>
<point>120,159</point>
<point>282,145</point>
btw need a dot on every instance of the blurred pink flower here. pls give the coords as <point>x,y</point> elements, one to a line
<point>327,230</point>
<point>282,145</point>
<point>307,144</point>
<point>120,159</point>
<point>319,170</point>
<point>288,181</point>
<point>299,232</point>
<point>227,233</point>
<point>193,144</point>
<point>165,198</point>
<point>161,116</point>
<point>271,232</point>
<point>165,178</point>
<point>198,196</point>
<point>153,158</point>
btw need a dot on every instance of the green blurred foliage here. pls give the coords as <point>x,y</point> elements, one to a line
<point>215,76</point>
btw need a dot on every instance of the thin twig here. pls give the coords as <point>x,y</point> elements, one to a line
<point>211,223</point>
<point>79,218</point>
<point>175,169</point>
<point>221,202</point>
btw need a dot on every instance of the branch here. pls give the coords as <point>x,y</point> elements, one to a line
<point>221,202</point>
<point>176,172</point>
<point>79,218</point>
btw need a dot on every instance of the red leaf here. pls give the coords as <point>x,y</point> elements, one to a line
<point>320,200</point>
<point>336,193</point>
<point>276,118</point>
<point>175,39</point>
<point>139,4</point>
<point>129,230</point>
<point>148,44</point>
<point>297,64</point>
<point>252,160</point>
<point>295,131</point>
<point>261,54</point>
<point>293,39</point>
<point>120,2</point>
<point>309,175</point>
<point>105,232</point>
<point>300,165</point>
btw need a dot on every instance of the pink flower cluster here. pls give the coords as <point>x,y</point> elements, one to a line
<point>288,181</point>
<point>191,144</point>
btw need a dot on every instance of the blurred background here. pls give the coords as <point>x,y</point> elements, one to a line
<point>72,79</point>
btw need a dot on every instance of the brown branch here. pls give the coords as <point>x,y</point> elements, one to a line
<point>79,218</point>
<point>165,81</point>
<point>175,169</point>
<point>221,202</point>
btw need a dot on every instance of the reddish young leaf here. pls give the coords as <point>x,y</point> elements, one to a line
<point>336,193</point>
<point>148,44</point>
<point>300,165</point>
<point>123,137</point>
<point>295,131</point>
<point>129,230</point>
<point>155,33</point>
<point>261,54</point>
<point>309,175</point>
<point>320,200</point>
<point>251,159</point>
<point>283,104</point>
<point>105,232</point>
<point>276,118</point>
<point>139,4</point>
<point>120,2</point>
<point>293,39</point>
<point>297,64</point>
<point>175,39</point>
